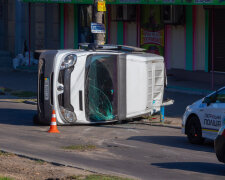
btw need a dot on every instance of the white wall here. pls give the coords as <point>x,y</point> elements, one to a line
<point>131,34</point>
<point>177,47</point>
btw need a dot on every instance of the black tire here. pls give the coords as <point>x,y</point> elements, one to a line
<point>194,131</point>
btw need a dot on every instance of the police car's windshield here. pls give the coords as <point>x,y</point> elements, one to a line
<point>100,87</point>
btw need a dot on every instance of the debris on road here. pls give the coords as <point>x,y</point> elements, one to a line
<point>82,147</point>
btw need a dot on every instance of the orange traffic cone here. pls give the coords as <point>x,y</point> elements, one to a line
<point>53,126</point>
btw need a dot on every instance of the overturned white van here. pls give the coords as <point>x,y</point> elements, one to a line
<point>99,85</point>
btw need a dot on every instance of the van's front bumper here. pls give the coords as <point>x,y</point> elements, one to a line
<point>50,80</point>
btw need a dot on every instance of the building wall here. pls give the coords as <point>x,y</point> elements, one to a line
<point>11,26</point>
<point>113,32</point>
<point>177,48</point>
<point>3,25</point>
<point>52,23</point>
<point>200,39</point>
<point>69,26</point>
<point>45,32</point>
<point>47,26</point>
<point>14,33</point>
<point>128,30</point>
<point>131,39</point>
<point>39,26</point>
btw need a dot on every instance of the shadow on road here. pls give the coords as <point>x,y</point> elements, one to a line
<point>17,117</point>
<point>181,101</point>
<point>201,167</point>
<point>174,141</point>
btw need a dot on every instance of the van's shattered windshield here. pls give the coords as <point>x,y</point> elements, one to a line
<point>101,83</point>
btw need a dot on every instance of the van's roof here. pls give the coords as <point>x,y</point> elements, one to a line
<point>112,47</point>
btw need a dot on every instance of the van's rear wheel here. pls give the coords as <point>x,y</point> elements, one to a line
<point>194,131</point>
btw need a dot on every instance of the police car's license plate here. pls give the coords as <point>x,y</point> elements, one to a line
<point>46,89</point>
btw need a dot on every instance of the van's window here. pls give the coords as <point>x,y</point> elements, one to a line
<point>101,87</point>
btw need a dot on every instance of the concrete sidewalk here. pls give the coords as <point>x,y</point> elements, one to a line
<point>177,86</point>
<point>19,80</point>
<point>197,82</point>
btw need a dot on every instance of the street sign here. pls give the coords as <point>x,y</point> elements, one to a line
<point>101,6</point>
<point>97,28</point>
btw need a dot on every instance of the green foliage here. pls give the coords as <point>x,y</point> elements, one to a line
<point>23,93</point>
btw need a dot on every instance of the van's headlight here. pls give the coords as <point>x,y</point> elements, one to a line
<point>68,115</point>
<point>68,61</point>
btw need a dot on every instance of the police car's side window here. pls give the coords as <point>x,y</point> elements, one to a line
<point>220,98</point>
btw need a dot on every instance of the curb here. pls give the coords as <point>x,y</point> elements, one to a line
<point>26,70</point>
<point>30,102</point>
<point>77,166</point>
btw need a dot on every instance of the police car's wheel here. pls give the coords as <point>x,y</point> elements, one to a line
<point>194,131</point>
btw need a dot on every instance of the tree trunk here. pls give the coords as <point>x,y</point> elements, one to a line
<point>99,38</point>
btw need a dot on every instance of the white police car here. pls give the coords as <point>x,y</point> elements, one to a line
<point>204,117</point>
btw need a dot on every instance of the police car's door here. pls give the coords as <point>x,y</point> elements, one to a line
<point>213,114</point>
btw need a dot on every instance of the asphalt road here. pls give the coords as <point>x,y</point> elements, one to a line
<point>137,150</point>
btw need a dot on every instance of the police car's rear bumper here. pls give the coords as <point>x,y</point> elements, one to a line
<point>220,148</point>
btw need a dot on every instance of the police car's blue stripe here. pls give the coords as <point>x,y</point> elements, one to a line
<point>209,129</point>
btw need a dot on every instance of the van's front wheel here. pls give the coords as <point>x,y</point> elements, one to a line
<point>194,131</point>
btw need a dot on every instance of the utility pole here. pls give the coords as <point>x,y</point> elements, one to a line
<point>99,38</point>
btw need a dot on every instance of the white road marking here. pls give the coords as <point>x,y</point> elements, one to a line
<point>133,130</point>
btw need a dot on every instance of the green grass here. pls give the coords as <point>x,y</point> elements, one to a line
<point>17,93</point>
<point>24,100</point>
<point>5,178</point>
<point>23,93</point>
<point>87,147</point>
<point>7,90</point>
<point>39,161</point>
<point>96,177</point>
<point>2,153</point>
